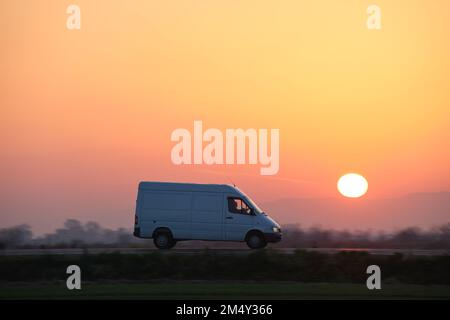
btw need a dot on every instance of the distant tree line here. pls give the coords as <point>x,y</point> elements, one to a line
<point>407,238</point>
<point>75,234</point>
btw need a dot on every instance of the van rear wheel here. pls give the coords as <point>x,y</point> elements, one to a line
<point>255,240</point>
<point>163,240</point>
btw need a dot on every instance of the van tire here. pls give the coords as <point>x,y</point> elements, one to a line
<point>163,239</point>
<point>255,240</point>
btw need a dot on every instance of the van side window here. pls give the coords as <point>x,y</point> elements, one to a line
<point>237,205</point>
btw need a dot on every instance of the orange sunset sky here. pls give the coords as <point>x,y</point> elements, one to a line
<point>87,114</point>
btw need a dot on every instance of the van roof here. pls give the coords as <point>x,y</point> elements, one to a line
<point>176,186</point>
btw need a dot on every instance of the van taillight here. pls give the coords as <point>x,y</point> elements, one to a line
<point>135,219</point>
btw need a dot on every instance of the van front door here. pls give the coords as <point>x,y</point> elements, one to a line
<point>239,218</point>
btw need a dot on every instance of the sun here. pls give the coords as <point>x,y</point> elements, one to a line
<point>352,185</point>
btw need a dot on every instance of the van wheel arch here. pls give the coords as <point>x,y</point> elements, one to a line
<point>162,229</point>
<point>250,239</point>
<point>163,238</point>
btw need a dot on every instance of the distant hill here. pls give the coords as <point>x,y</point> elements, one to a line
<point>419,209</point>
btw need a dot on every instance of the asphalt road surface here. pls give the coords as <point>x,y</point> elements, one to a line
<point>224,251</point>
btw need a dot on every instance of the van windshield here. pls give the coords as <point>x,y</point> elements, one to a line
<point>253,205</point>
<point>249,201</point>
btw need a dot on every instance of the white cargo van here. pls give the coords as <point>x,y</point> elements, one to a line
<point>171,212</point>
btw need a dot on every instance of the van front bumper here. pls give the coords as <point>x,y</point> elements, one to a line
<point>273,236</point>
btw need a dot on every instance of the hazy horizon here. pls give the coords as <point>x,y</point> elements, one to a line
<point>312,212</point>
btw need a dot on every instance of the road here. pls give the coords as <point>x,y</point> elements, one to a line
<point>223,251</point>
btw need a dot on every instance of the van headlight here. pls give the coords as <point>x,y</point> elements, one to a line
<point>276,229</point>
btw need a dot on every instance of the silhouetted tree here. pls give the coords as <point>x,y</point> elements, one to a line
<point>15,236</point>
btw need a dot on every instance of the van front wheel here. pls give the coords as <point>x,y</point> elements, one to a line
<point>163,240</point>
<point>255,240</point>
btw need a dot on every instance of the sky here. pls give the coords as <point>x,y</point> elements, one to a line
<point>87,114</point>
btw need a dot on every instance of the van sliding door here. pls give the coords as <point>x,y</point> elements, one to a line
<point>207,216</point>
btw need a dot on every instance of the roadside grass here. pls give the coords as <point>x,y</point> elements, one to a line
<point>221,290</point>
